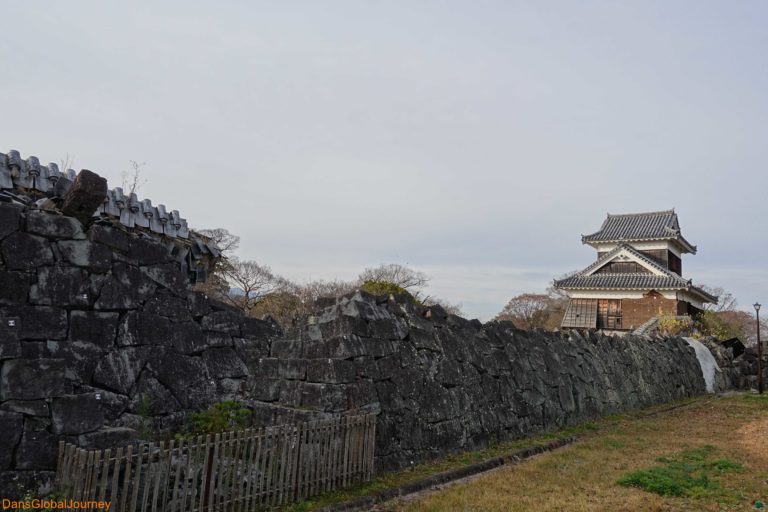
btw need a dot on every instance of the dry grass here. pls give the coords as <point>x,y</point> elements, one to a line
<point>583,477</point>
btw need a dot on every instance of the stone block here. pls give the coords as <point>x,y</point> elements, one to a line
<point>287,349</point>
<point>39,322</point>
<point>22,251</point>
<point>149,251</point>
<point>187,338</point>
<point>151,398</point>
<point>173,308</point>
<point>85,196</point>
<point>10,219</point>
<point>187,378</point>
<point>32,379</point>
<point>110,237</point>
<point>107,437</point>
<point>292,369</point>
<point>255,329</point>
<point>94,327</point>
<point>60,286</point>
<point>224,363</point>
<point>83,253</point>
<point>199,304</point>
<point>82,358</point>
<point>168,276</point>
<point>118,371</point>
<point>251,350</point>
<point>54,226</point>
<point>10,327</point>
<point>28,407</point>
<point>76,414</point>
<point>39,447</point>
<point>14,287</point>
<point>331,371</point>
<point>139,328</point>
<point>223,322</point>
<point>264,390</point>
<point>10,425</point>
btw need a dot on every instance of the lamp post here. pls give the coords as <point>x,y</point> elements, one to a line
<point>759,352</point>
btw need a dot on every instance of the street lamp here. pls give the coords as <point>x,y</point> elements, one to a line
<point>759,351</point>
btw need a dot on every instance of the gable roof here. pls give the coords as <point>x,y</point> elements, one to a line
<point>661,225</point>
<point>661,279</point>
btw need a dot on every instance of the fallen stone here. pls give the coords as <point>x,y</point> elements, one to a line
<point>10,219</point>
<point>94,327</point>
<point>85,196</point>
<point>14,287</point>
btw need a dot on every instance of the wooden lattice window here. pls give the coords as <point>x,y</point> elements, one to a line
<point>609,314</point>
<point>581,313</point>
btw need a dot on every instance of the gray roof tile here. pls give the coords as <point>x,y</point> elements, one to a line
<point>661,225</point>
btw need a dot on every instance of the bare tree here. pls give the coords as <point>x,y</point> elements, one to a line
<point>251,283</point>
<point>526,311</point>
<point>725,299</point>
<point>132,180</point>
<point>449,307</point>
<point>227,242</point>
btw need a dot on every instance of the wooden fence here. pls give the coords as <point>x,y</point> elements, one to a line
<point>232,471</point>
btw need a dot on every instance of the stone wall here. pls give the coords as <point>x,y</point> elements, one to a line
<point>101,339</point>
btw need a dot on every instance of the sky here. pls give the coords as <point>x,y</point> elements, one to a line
<point>474,141</point>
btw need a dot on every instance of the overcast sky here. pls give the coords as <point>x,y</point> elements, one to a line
<point>473,140</point>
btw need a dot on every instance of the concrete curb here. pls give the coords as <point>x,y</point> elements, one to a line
<point>366,502</point>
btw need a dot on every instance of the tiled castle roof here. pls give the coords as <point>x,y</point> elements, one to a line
<point>668,280</point>
<point>661,225</point>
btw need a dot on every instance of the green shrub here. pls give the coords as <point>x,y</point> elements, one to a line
<point>220,417</point>
<point>386,288</point>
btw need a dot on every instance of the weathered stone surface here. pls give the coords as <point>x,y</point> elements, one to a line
<point>107,437</point>
<point>94,327</point>
<point>173,308</point>
<point>148,251</point>
<point>118,370</point>
<point>187,338</point>
<point>38,322</point>
<point>10,327</point>
<point>224,322</point>
<point>224,363</point>
<point>10,426</point>
<point>180,374</point>
<point>331,371</point>
<point>83,253</point>
<point>169,276</point>
<point>60,286</point>
<point>76,414</point>
<point>10,219</point>
<point>85,196</point>
<point>28,379</point>
<point>110,237</point>
<point>22,251</point>
<point>139,328</point>
<point>14,287</point>
<point>54,226</point>
<point>39,447</point>
<point>152,398</point>
<point>28,407</point>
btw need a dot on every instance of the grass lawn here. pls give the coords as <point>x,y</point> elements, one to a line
<point>711,454</point>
